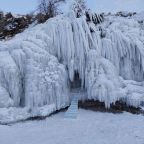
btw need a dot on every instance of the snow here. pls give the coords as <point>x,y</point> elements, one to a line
<point>37,65</point>
<point>90,128</point>
<point>139,16</point>
<point>12,114</point>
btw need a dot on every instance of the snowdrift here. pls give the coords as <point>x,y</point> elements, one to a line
<point>37,65</point>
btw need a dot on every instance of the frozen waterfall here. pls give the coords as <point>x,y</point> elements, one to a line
<point>37,65</point>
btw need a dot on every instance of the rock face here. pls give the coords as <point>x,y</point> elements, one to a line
<point>36,66</point>
<point>10,25</point>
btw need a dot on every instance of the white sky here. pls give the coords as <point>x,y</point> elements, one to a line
<point>26,6</point>
<point>116,5</point>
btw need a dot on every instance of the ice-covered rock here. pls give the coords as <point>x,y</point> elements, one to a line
<point>37,65</point>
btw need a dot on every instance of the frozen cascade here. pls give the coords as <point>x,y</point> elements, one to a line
<point>37,65</point>
<point>116,57</point>
<point>30,78</point>
<point>71,41</point>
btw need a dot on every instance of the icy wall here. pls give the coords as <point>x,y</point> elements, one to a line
<point>37,65</point>
<point>108,57</point>
<point>30,78</point>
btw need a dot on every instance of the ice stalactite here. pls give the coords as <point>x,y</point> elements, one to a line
<point>71,40</point>
<point>103,80</point>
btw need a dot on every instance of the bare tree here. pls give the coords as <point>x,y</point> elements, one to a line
<point>79,7</point>
<point>49,8</point>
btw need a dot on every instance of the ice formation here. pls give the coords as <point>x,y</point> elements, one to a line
<point>37,65</point>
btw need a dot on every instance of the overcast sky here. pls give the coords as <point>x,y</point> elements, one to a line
<point>26,6</point>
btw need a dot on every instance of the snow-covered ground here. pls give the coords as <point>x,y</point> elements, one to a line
<point>90,128</point>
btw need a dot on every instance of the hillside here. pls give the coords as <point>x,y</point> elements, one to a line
<point>38,66</point>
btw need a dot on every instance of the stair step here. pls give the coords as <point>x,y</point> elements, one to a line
<point>73,109</point>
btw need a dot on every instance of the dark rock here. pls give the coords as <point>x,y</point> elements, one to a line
<point>118,107</point>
